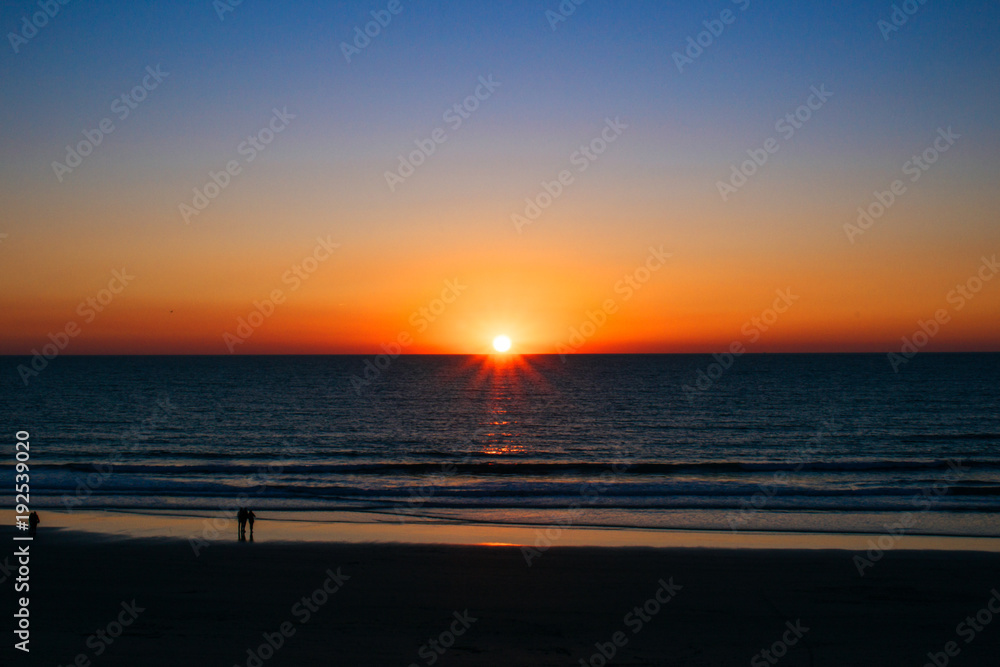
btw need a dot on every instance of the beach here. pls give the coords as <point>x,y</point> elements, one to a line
<point>107,599</point>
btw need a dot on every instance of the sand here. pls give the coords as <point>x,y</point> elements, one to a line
<point>382,604</point>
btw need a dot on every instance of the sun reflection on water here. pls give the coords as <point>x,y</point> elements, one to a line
<point>505,381</point>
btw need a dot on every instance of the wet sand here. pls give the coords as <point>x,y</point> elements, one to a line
<point>383,604</point>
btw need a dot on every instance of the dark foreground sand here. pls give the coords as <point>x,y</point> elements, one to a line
<point>209,610</point>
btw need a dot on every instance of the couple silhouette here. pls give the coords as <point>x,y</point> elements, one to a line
<point>244,516</point>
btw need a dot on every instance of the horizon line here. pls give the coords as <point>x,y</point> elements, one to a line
<point>507,355</point>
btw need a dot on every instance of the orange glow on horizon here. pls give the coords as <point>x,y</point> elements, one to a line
<point>542,291</point>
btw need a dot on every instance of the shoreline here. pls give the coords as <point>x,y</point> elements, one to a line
<point>360,528</point>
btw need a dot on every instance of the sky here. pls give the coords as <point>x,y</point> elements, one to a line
<point>622,178</point>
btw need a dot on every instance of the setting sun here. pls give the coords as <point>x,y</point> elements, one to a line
<point>501,343</point>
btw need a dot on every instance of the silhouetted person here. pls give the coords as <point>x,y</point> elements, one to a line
<point>250,517</point>
<point>241,520</point>
<point>33,522</point>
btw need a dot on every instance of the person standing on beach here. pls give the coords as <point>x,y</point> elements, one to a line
<point>33,522</point>
<point>250,517</point>
<point>241,520</point>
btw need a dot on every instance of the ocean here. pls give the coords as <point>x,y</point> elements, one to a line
<point>837,443</point>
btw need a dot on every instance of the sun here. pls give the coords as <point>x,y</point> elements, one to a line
<point>501,343</point>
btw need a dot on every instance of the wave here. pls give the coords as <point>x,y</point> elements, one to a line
<point>946,437</point>
<point>209,501</point>
<point>503,489</point>
<point>533,468</point>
